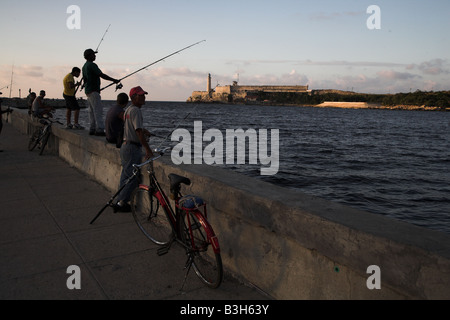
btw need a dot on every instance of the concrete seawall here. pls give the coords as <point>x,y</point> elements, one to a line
<point>289,244</point>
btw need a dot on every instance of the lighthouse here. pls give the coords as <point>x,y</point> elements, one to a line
<point>208,89</point>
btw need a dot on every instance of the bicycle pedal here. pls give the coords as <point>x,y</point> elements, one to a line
<point>163,250</point>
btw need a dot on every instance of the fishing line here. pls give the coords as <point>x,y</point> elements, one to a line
<point>120,86</point>
<point>179,124</point>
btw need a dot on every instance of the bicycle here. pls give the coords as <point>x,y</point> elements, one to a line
<point>186,225</point>
<point>41,134</point>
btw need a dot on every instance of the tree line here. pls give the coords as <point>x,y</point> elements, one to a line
<point>439,99</point>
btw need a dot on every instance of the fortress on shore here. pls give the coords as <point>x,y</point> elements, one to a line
<point>239,94</point>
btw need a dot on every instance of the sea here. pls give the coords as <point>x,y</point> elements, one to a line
<point>388,162</point>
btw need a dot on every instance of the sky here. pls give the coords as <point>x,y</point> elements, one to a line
<point>325,44</point>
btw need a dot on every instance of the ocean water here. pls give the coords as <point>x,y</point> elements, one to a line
<point>392,163</point>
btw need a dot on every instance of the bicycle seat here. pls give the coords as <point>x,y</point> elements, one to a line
<point>176,180</point>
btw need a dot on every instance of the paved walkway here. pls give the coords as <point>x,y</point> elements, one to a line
<point>45,210</point>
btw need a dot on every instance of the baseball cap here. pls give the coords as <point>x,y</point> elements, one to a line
<point>137,90</point>
<point>88,52</point>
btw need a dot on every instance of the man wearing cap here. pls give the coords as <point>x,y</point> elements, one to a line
<point>134,138</point>
<point>91,76</point>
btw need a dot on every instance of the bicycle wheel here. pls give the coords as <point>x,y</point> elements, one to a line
<point>207,263</point>
<point>150,216</point>
<point>34,140</point>
<point>44,142</point>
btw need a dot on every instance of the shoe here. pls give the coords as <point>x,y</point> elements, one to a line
<point>121,207</point>
<point>69,126</point>
<point>91,132</point>
<point>78,127</point>
<point>126,208</point>
<point>100,134</point>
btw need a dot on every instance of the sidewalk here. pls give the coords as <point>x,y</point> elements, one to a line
<point>46,207</point>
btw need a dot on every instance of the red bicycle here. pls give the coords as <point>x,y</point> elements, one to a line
<point>185,224</point>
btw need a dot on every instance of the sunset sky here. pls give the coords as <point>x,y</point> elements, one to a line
<point>325,44</point>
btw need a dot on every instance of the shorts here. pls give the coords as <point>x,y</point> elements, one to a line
<point>71,102</point>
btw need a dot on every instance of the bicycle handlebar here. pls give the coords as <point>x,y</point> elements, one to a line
<point>49,120</point>
<point>160,153</point>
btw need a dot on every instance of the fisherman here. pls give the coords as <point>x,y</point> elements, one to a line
<point>1,117</point>
<point>71,100</point>
<point>30,99</point>
<point>91,76</point>
<point>134,139</point>
<point>39,108</point>
<point>114,120</point>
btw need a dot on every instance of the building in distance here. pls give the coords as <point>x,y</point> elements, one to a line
<point>236,93</point>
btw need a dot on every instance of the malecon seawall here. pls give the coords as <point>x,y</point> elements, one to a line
<point>289,244</point>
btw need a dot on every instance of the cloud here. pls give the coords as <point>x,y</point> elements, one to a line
<point>176,72</point>
<point>291,78</point>
<point>432,67</point>
<point>30,71</point>
<point>309,62</point>
<point>394,75</point>
<point>321,16</point>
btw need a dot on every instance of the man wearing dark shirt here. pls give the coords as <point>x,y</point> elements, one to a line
<point>114,120</point>
<point>91,76</point>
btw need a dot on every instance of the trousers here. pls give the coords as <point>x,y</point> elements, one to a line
<point>95,112</point>
<point>129,154</point>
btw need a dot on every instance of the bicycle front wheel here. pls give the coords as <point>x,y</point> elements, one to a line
<point>34,140</point>
<point>150,216</point>
<point>196,234</point>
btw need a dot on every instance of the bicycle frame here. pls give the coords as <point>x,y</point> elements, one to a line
<point>174,215</point>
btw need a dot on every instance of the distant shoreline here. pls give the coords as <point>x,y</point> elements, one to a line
<point>337,105</point>
<point>21,103</point>
<point>365,105</point>
<point>418,100</point>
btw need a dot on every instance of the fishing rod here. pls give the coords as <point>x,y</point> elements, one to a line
<point>120,86</point>
<point>81,84</point>
<point>96,50</point>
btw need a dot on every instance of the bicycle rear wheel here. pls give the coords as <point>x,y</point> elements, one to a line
<point>150,216</point>
<point>34,140</point>
<point>207,263</point>
<point>44,142</point>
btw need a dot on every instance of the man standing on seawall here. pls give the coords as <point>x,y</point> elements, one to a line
<point>92,75</point>
<point>134,138</point>
<point>71,101</point>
